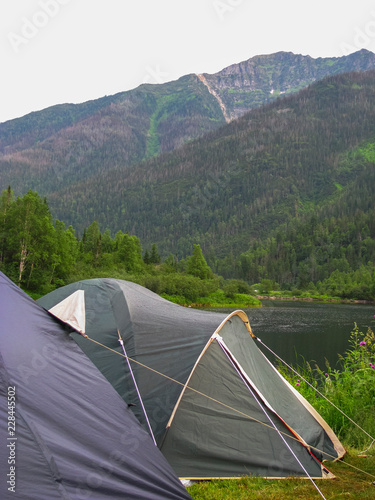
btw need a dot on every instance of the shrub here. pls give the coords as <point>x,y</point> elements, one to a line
<point>350,387</point>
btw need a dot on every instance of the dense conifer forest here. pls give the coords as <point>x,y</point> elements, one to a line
<point>40,254</point>
<point>332,257</point>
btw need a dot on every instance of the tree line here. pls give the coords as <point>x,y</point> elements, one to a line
<point>332,255</point>
<point>40,254</point>
<point>33,250</point>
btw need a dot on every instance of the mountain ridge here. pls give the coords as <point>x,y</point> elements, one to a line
<point>239,182</point>
<point>72,142</point>
<point>271,73</point>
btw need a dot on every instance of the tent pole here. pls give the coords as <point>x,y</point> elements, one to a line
<point>136,387</point>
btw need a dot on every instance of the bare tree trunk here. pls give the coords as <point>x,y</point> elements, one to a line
<point>22,262</point>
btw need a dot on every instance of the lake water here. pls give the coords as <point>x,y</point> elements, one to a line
<point>311,330</point>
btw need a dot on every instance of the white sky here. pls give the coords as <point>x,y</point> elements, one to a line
<point>57,51</point>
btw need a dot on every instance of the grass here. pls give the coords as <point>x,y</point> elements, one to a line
<point>153,142</point>
<point>349,483</point>
<point>217,299</point>
<point>350,388</point>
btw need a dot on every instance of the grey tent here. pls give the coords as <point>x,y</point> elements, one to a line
<point>214,403</point>
<point>65,432</point>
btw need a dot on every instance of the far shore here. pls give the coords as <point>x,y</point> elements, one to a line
<point>315,299</point>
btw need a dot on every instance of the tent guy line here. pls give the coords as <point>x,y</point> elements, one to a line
<point>232,361</point>
<point>193,390</point>
<point>217,401</point>
<point>317,390</point>
<point>364,451</point>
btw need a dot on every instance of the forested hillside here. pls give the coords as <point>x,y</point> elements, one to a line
<point>65,144</point>
<point>40,254</point>
<point>330,249</point>
<point>57,147</point>
<point>240,183</point>
<point>335,254</point>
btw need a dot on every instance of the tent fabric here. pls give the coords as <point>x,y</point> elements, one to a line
<point>75,438</point>
<point>271,385</point>
<point>72,311</point>
<point>157,333</point>
<point>200,429</point>
<point>215,354</point>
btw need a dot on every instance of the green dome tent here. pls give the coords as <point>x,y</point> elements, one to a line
<point>215,405</point>
<point>65,432</point>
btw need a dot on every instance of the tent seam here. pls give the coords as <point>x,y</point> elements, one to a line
<point>56,476</point>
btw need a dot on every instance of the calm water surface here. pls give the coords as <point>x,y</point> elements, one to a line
<point>309,330</point>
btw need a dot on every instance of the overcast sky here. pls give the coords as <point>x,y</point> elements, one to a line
<point>57,51</point>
